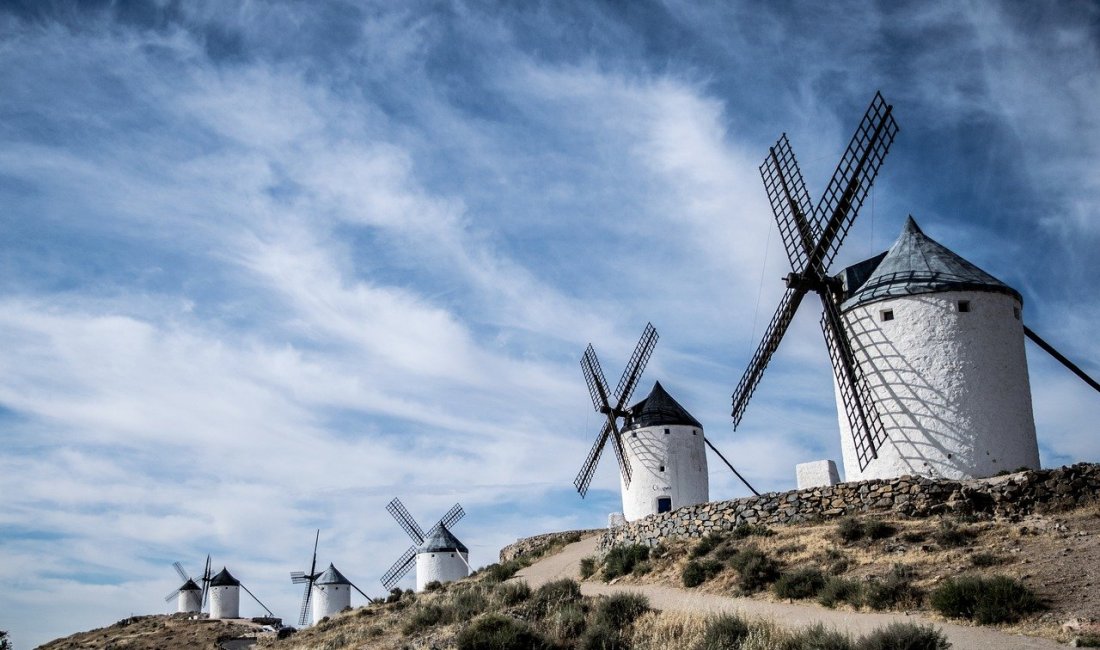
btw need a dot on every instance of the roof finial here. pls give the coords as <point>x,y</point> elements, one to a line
<point>911,225</point>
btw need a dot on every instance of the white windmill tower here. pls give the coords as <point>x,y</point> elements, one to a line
<point>927,349</point>
<point>190,597</point>
<point>660,447</point>
<point>438,554</point>
<point>225,596</point>
<point>327,592</point>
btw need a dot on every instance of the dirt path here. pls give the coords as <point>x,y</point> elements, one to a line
<point>566,564</point>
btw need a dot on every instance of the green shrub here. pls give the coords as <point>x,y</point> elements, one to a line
<point>850,530</point>
<point>495,573</point>
<point>724,631</point>
<point>817,637</point>
<point>602,636</point>
<point>693,574</point>
<point>749,530</point>
<point>512,593</point>
<point>841,590</point>
<point>620,560</point>
<point>467,603</point>
<point>434,585</point>
<point>1088,640</point>
<point>423,617</point>
<point>724,552</point>
<point>913,536</point>
<point>804,583</point>
<point>552,596</point>
<point>567,621</point>
<point>950,535</point>
<point>705,545</point>
<point>998,599</point>
<point>755,570</point>
<point>985,559</point>
<point>878,529</point>
<point>641,568</point>
<point>620,610</point>
<point>498,632</point>
<point>894,591</point>
<point>588,567</point>
<point>904,636</point>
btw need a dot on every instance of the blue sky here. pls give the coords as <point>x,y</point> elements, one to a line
<point>267,265</point>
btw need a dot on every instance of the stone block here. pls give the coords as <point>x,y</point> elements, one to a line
<point>818,473</point>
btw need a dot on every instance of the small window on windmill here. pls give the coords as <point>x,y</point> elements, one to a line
<point>452,554</point>
<point>694,432</point>
<point>1016,312</point>
<point>662,468</point>
<point>633,434</point>
<point>667,432</point>
<point>886,314</point>
<point>964,306</point>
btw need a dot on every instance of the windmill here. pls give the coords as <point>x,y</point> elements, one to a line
<point>812,236</point>
<point>225,596</point>
<point>333,589</point>
<point>660,447</point>
<point>191,598</point>
<point>438,554</point>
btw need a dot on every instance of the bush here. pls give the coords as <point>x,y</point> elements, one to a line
<point>817,637</point>
<point>895,591</point>
<point>693,574</point>
<point>620,610</point>
<point>588,567</point>
<point>850,530</point>
<point>853,530</point>
<point>950,535</point>
<point>749,530</point>
<point>620,560</point>
<point>878,529</point>
<point>498,632</point>
<point>602,637</point>
<point>705,545</point>
<point>985,559</point>
<point>998,599</point>
<point>423,617</point>
<point>553,595</point>
<point>804,583</point>
<point>841,590</point>
<point>495,573</point>
<point>434,585</point>
<point>467,603</point>
<point>755,570</point>
<point>1086,640</point>
<point>724,631</point>
<point>512,593</point>
<point>904,636</point>
<point>567,621</point>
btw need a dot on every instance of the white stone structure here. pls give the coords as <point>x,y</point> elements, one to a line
<point>942,345</point>
<point>818,473</point>
<point>189,598</point>
<point>331,594</point>
<point>668,458</point>
<point>225,596</point>
<point>441,557</point>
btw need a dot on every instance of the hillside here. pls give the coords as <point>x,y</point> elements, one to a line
<point>158,632</point>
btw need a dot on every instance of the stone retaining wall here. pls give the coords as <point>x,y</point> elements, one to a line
<point>909,496</point>
<point>540,543</point>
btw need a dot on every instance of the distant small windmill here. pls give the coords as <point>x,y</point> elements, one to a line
<point>663,460</point>
<point>225,596</point>
<point>190,597</point>
<point>332,588</point>
<point>438,554</point>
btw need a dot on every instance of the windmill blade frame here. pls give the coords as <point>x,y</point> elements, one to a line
<point>405,519</point>
<point>790,202</point>
<point>636,366</point>
<point>206,577</point>
<point>451,517</point>
<point>868,433</point>
<point>303,613</point>
<point>402,566</point>
<point>179,569</point>
<point>777,327</point>
<point>588,469</point>
<point>173,594</point>
<point>594,378</point>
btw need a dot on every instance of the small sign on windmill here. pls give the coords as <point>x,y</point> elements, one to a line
<point>438,555</point>
<point>327,592</point>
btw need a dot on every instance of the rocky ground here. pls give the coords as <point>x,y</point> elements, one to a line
<point>158,632</point>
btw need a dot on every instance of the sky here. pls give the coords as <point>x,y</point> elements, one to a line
<point>265,266</point>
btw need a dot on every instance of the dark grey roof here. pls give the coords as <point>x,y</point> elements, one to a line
<point>915,264</point>
<point>441,540</point>
<point>190,586</point>
<point>659,409</point>
<point>332,577</point>
<point>224,579</point>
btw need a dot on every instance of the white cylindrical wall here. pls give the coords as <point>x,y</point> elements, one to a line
<point>330,599</point>
<point>950,384</point>
<point>665,461</point>
<point>225,601</point>
<point>189,601</point>
<point>444,566</point>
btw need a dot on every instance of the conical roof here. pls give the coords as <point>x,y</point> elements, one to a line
<point>441,540</point>
<point>224,579</point>
<point>915,264</point>
<point>190,586</point>
<point>331,577</point>
<point>659,409</point>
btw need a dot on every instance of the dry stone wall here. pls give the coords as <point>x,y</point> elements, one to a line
<point>539,544</point>
<point>1008,496</point>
